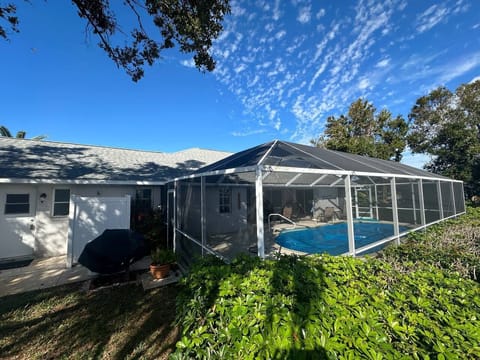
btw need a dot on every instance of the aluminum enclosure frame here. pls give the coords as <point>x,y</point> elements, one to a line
<point>261,171</point>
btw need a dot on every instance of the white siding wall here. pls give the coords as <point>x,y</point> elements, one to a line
<point>50,232</point>
<point>229,222</point>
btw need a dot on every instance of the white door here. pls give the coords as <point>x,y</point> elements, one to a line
<point>17,221</point>
<point>363,202</point>
<point>91,216</point>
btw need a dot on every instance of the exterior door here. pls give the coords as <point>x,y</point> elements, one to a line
<point>17,221</point>
<point>363,201</point>
<point>91,216</point>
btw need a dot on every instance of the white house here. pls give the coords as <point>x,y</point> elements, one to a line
<point>55,197</point>
<point>40,180</point>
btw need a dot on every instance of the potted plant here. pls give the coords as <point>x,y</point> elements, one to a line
<point>161,262</point>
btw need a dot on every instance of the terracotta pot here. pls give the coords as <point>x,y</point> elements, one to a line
<point>160,271</point>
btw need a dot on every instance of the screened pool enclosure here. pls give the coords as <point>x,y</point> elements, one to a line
<point>285,197</point>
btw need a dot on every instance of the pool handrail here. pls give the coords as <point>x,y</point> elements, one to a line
<point>283,217</point>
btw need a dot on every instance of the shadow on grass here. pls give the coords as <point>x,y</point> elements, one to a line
<point>120,321</point>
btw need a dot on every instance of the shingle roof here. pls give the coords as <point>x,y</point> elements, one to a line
<point>286,154</point>
<point>54,161</point>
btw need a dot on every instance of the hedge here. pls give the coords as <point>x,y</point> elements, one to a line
<point>326,307</point>
<point>453,245</point>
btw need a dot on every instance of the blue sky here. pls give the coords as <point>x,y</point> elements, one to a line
<point>282,68</point>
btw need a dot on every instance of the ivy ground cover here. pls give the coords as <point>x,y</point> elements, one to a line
<point>326,307</point>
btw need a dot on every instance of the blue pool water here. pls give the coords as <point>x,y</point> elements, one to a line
<point>333,238</point>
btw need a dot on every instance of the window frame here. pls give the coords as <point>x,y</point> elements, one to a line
<point>146,202</point>
<point>55,202</point>
<point>28,203</point>
<point>224,200</point>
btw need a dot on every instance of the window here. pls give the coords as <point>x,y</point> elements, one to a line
<point>61,202</point>
<point>17,204</point>
<point>225,200</point>
<point>143,199</point>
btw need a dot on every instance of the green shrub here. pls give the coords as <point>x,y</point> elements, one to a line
<point>325,307</point>
<point>453,245</point>
<point>162,256</point>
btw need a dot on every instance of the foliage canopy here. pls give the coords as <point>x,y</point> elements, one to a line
<point>364,131</point>
<point>193,25</point>
<point>20,134</point>
<point>446,125</point>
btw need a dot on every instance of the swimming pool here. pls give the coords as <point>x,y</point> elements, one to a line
<point>333,238</point>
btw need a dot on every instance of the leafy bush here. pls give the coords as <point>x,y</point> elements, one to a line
<point>453,245</point>
<point>162,256</point>
<point>325,307</point>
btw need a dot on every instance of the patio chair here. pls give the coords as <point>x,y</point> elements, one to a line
<point>287,211</point>
<point>329,213</point>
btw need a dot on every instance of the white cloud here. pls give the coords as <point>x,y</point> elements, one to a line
<point>248,132</point>
<point>363,84</point>
<point>279,71</point>
<point>319,72</point>
<point>330,36</point>
<point>297,42</point>
<point>431,17</point>
<point>383,63</point>
<point>236,9</point>
<point>320,14</point>
<point>240,68</point>
<point>419,60</point>
<point>304,15</point>
<point>188,63</point>
<point>432,75</point>
<point>276,11</point>
<point>475,79</point>
<point>458,68</point>
<point>254,81</point>
<point>460,7</point>
<point>279,35</point>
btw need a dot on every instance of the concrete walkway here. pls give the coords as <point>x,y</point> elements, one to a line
<point>50,272</point>
<point>41,274</point>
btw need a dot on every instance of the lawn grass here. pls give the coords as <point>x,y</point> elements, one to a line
<point>122,322</point>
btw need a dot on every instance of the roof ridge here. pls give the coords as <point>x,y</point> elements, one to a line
<point>114,147</point>
<point>86,145</point>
